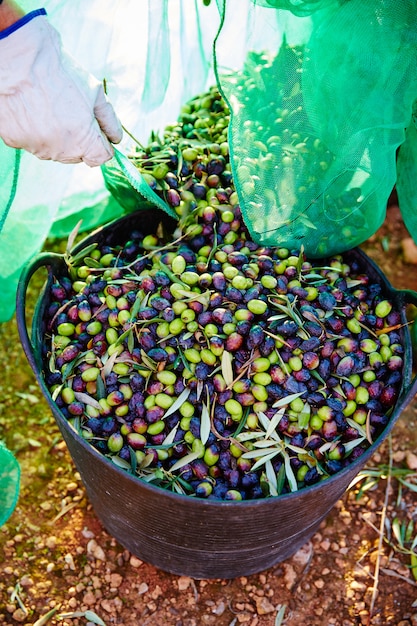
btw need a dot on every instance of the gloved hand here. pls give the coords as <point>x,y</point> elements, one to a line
<point>48,105</point>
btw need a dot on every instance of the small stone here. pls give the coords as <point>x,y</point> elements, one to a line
<point>51,542</point>
<point>398,456</point>
<point>89,598</point>
<point>356,585</point>
<point>243,618</point>
<point>319,583</point>
<point>290,575</point>
<point>264,606</point>
<point>304,554</point>
<point>411,460</point>
<point>364,616</point>
<point>68,558</point>
<point>409,249</point>
<point>107,606</point>
<point>135,562</point>
<point>95,550</point>
<point>156,593</point>
<point>96,580</point>
<point>325,544</point>
<point>115,580</point>
<point>19,615</point>
<point>143,588</point>
<point>219,609</point>
<point>183,583</point>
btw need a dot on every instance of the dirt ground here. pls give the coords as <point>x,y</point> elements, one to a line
<point>59,566</point>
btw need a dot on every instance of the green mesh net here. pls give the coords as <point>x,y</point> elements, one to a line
<point>318,110</point>
<point>9,174</point>
<point>9,483</point>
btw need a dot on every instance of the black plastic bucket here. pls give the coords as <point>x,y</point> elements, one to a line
<point>180,534</point>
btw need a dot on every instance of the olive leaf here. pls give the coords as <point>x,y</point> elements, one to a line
<point>203,298</point>
<point>398,531</point>
<point>227,369</point>
<point>272,478</point>
<point>120,462</point>
<point>249,435</point>
<point>289,472</point>
<point>314,279</point>
<point>178,402</point>
<point>205,423</point>
<point>264,456</point>
<point>173,277</point>
<point>72,237</point>
<point>413,563</point>
<point>93,617</point>
<point>136,305</point>
<point>280,615</point>
<point>108,366</point>
<point>100,388</point>
<point>45,618</point>
<point>304,416</point>
<point>81,255</point>
<point>56,392</point>
<point>87,399</point>
<point>89,615</point>
<point>361,430</point>
<point>92,263</point>
<point>148,362</point>
<point>287,400</point>
<point>354,443</point>
<point>169,439</point>
<point>185,460</point>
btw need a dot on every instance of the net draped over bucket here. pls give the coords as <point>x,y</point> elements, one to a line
<point>318,109</point>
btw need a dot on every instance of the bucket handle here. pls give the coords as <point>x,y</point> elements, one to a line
<point>53,263</point>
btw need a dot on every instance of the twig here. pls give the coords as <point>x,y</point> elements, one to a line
<point>62,512</point>
<point>381,535</point>
<point>390,572</point>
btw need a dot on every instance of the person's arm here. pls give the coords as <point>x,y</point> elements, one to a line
<point>49,105</point>
<point>10,12</point>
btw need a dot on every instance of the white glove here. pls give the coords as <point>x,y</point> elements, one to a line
<point>48,105</point>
